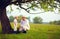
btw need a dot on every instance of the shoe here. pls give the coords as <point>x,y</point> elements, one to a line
<point>24,32</point>
<point>15,32</point>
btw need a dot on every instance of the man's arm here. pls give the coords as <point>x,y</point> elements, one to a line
<point>21,23</point>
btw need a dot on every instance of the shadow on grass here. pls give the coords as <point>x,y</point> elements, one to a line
<point>54,36</point>
<point>3,36</point>
<point>6,35</point>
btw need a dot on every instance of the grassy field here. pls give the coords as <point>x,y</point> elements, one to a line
<point>37,31</point>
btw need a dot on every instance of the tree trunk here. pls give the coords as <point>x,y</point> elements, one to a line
<point>6,27</point>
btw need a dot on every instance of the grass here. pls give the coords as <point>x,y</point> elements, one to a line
<point>37,31</point>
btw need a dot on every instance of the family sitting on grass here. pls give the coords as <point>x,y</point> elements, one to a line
<point>24,25</point>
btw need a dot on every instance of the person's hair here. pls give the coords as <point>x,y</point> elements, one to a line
<point>23,17</point>
<point>15,17</point>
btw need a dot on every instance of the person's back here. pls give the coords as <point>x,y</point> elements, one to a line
<point>24,24</point>
<point>15,24</point>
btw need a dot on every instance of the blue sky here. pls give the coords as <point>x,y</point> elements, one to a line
<point>46,16</point>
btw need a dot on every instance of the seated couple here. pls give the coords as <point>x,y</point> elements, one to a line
<point>24,25</point>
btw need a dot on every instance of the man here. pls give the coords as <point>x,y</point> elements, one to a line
<point>24,25</point>
<point>15,24</point>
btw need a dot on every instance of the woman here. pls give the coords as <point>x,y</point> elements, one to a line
<point>24,25</point>
<point>15,23</point>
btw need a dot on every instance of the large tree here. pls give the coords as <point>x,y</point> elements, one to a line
<point>37,20</point>
<point>44,4</point>
<point>11,18</point>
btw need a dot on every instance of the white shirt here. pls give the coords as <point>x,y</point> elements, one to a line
<point>25,23</point>
<point>15,22</point>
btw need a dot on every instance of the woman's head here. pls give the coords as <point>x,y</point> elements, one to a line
<point>16,17</point>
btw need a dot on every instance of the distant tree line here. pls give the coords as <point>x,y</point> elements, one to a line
<point>35,19</point>
<point>55,22</point>
<point>11,18</point>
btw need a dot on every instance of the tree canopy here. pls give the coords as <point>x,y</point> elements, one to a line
<point>37,20</point>
<point>47,5</point>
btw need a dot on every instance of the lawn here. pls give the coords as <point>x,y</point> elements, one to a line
<point>37,31</point>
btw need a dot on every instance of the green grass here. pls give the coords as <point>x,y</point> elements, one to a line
<point>37,31</point>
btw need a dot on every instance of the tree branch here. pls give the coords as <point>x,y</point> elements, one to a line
<point>29,12</point>
<point>24,9</point>
<point>14,2</point>
<point>21,1</point>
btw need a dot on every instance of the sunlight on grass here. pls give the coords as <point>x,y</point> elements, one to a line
<point>37,31</point>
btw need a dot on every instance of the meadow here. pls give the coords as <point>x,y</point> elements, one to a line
<point>37,31</point>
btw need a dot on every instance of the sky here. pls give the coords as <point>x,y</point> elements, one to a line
<point>46,16</point>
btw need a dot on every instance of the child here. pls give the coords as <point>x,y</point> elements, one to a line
<point>24,25</point>
<point>15,24</point>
